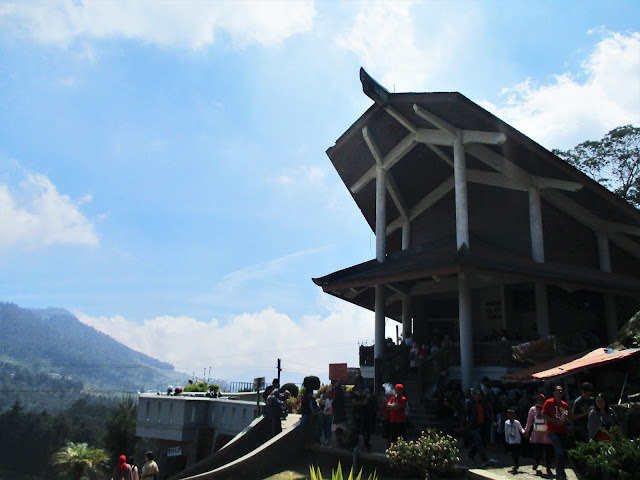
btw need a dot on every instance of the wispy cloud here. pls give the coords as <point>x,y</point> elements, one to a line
<point>34,215</point>
<point>574,108</point>
<point>232,281</point>
<point>166,23</point>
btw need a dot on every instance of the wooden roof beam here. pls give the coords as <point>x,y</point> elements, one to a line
<point>625,243</point>
<point>615,230</point>
<point>424,204</point>
<point>400,150</point>
<point>511,170</point>
<point>468,136</point>
<point>392,187</point>
<point>441,137</point>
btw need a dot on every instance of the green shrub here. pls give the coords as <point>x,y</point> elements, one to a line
<point>196,387</point>
<point>338,475</point>
<point>201,387</point>
<point>615,460</point>
<point>292,387</point>
<point>433,452</point>
<point>312,382</point>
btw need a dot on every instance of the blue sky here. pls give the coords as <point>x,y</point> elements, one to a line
<point>162,165</point>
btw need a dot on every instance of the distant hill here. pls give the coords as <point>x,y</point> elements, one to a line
<point>49,353</point>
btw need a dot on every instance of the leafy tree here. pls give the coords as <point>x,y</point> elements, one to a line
<point>121,428</point>
<point>613,161</point>
<point>78,459</point>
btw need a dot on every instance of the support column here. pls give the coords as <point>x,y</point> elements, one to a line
<point>406,299</point>
<point>610,310</point>
<point>537,253</point>
<point>406,316</point>
<point>381,214</point>
<point>542,309</point>
<point>460,185</point>
<point>466,331</point>
<point>406,234</point>
<point>378,349</point>
<point>381,246</point>
<point>462,238</point>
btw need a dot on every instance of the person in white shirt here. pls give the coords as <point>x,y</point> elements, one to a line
<point>513,432</point>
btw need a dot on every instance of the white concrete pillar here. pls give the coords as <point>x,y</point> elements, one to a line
<point>604,254</point>
<point>535,225</point>
<point>378,349</point>
<point>542,309</point>
<point>381,214</point>
<point>406,234</point>
<point>537,253</point>
<point>611,316</point>
<point>381,255</point>
<point>406,299</point>
<point>460,184</point>
<point>462,238</point>
<point>610,310</point>
<point>406,316</point>
<point>466,330</point>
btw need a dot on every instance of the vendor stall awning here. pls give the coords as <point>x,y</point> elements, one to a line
<point>526,374</point>
<point>571,364</point>
<point>598,357</point>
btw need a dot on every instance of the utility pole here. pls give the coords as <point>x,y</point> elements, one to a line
<point>279,370</point>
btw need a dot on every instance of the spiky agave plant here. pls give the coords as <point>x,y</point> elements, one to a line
<point>337,474</point>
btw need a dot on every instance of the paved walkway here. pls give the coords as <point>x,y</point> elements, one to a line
<point>499,469</point>
<point>502,468</point>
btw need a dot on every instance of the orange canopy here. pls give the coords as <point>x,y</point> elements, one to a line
<point>591,359</point>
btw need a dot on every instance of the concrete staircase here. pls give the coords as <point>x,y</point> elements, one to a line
<point>423,408</point>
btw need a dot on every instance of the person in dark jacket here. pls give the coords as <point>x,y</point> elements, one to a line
<point>476,419</point>
<point>310,410</point>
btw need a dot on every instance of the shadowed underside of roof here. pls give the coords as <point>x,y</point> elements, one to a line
<point>410,136</point>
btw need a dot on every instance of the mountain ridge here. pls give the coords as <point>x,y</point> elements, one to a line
<point>49,351</point>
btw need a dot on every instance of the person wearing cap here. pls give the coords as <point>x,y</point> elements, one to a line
<point>397,406</point>
<point>536,429</point>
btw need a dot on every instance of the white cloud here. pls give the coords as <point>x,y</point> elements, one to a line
<point>36,215</point>
<point>249,341</point>
<point>573,108</point>
<point>193,24</point>
<point>405,54</point>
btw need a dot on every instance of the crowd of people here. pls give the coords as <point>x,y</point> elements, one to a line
<point>128,470</point>
<point>537,423</point>
<point>540,424</point>
<point>325,418</point>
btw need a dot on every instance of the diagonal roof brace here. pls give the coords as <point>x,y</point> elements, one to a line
<point>392,187</point>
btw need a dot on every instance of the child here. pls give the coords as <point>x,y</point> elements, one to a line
<point>513,435</point>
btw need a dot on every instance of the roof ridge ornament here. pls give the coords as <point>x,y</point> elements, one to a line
<point>373,89</point>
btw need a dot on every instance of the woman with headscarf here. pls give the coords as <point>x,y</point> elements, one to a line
<point>123,470</point>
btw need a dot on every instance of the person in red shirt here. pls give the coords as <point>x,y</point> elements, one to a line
<point>557,414</point>
<point>397,406</point>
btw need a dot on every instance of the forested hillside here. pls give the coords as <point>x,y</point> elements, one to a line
<point>48,359</point>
